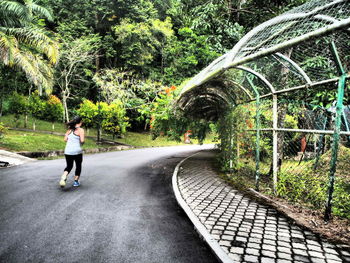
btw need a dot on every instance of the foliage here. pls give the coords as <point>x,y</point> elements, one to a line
<point>25,44</point>
<point>18,105</point>
<point>310,187</point>
<point>186,56</point>
<point>111,116</point>
<point>126,87</point>
<point>165,119</point>
<point>213,20</point>
<point>53,109</point>
<point>3,130</point>
<point>254,12</point>
<point>115,84</point>
<point>75,66</point>
<point>36,106</point>
<point>88,111</point>
<point>140,43</point>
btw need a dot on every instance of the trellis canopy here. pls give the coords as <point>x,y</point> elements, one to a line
<point>287,53</point>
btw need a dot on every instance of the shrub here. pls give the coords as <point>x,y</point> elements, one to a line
<point>18,105</point>
<point>112,116</point>
<point>3,130</point>
<point>88,111</point>
<point>53,109</point>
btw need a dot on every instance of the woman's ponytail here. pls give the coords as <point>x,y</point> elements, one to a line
<point>71,124</point>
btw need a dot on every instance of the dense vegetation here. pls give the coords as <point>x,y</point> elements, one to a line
<point>126,54</point>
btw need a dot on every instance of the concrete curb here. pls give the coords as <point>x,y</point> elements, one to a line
<point>201,229</point>
<point>61,152</point>
<point>13,159</point>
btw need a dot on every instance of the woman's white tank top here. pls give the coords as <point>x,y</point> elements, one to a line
<point>73,145</point>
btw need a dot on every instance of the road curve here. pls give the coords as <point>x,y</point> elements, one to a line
<point>124,211</point>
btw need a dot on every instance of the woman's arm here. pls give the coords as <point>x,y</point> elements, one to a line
<point>66,136</point>
<point>82,135</point>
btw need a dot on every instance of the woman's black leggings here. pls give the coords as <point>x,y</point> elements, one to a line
<point>78,160</point>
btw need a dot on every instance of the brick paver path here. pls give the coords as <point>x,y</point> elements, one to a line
<point>246,230</point>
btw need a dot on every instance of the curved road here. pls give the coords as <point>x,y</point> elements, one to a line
<point>124,211</point>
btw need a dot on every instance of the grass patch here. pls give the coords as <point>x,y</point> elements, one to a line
<point>145,139</point>
<point>10,121</point>
<point>301,184</point>
<point>35,142</point>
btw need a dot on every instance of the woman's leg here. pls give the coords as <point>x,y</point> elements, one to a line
<point>69,161</point>
<point>78,160</point>
<point>69,166</point>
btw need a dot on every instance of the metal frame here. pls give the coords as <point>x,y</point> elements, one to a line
<point>259,76</point>
<point>232,60</point>
<point>268,51</point>
<point>295,65</point>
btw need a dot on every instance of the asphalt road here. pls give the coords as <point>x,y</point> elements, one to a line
<point>124,211</point>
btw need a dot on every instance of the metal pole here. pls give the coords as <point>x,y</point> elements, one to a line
<point>275,143</point>
<point>257,127</point>
<point>231,145</point>
<point>320,144</point>
<point>336,136</point>
<point>304,131</point>
<point>99,116</point>
<point>335,147</point>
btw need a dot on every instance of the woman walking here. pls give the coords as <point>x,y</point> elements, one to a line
<point>73,152</point>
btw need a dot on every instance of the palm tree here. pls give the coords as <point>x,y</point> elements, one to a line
<point>25,45</point>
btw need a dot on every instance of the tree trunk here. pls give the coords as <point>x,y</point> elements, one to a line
<point>53,126</point>
<point>1,99</point>
<point>239,7</point>
<point>65,108</point>
<point>97,59</point>
<point>26,120</point>
<point>34,125</point>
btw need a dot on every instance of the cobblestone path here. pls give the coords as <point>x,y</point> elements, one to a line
<point>248,231</point>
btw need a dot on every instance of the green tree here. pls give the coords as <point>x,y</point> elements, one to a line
<point>111,117</point>
<point>141,44</point>
<point>186,56</point>
<point>114,120</point>
<point>134,93</point>
<point>81,18</point>
<point>53,110</point>
<point>88,111</point>
<point>18,106</point>
<point>26,45</point>
<point>75,66</point>
<point>36,107</point>
<point>213,19</point>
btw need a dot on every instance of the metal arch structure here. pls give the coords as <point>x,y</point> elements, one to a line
<point>327,17</point>
<point>294,65</point>
<point>230,59</point>
<point>259,76</point>
<point>246,91</point>
<point>221,90</point>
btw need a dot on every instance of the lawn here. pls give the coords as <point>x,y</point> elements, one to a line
<point>30,141</point>
<point>145,139</point>
<point>35,141</point>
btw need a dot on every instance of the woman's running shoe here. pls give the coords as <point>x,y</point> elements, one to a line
<point>63,180</point>
<point>76,183</point>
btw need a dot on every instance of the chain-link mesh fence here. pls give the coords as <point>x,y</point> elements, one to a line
<point>284,124</point>
<point>304,149</point>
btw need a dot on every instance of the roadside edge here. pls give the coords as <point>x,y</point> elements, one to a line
<point>203,232</point>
